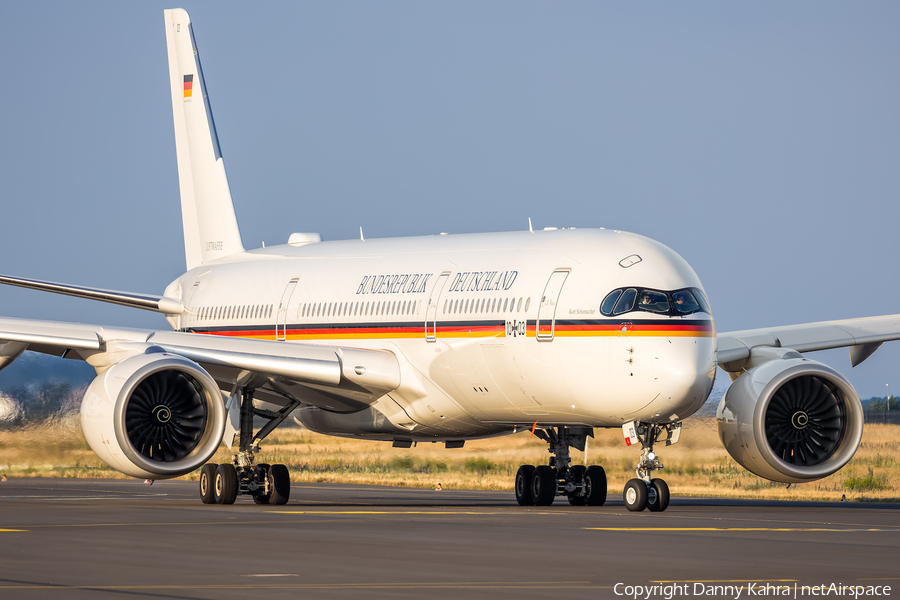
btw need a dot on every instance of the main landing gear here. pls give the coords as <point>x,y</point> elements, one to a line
<point>268,484</point>
<point>539,486</point>
<point>645,491</point>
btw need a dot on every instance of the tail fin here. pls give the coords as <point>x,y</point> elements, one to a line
<point>207,211</point>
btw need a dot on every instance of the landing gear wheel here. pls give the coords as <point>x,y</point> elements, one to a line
<point>262,473</point>
<point>635,495</point>
<point>207,483</point>
<point>577,498</point>
<point>543,485</point>
<point>658,495</point>
<point>280,482</point>
<point>523,485</point>
<point>226,484</point>
<point>595,486</point>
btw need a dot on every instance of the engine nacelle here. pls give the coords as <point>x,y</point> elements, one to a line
<point>791,420</point>
<point>154,416</point>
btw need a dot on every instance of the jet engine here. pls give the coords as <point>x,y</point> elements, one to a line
<point>791,420</point>
<point>154,416</point>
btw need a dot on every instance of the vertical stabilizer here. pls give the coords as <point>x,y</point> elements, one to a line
<point>210,225</point>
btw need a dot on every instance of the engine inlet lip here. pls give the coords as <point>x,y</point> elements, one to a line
<point>852,426</point>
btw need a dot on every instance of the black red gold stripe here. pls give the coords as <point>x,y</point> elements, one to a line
<point>469,329</point>
<point>620,327</point>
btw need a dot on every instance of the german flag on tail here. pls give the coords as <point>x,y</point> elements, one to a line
<point>188,85</point>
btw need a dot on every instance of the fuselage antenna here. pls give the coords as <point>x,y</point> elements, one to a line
<point>361,234</point>
<point>529,225</point>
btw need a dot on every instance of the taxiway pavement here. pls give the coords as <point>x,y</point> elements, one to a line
<point>68,538</point>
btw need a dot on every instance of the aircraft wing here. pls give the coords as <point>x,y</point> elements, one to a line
<point>331,377</point>
<point>863,336</point>
<point>152,302</point>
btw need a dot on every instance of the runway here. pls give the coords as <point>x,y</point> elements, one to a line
<point>66,538</point>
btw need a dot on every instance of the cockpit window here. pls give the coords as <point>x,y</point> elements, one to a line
<point>610,302</point>
<point>701,298</point>
<point>676,303</point>
<point>653,301</point>
<point>685,302</point>
<point>626,302</point>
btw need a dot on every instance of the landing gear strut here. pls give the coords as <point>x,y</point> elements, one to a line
<point>268,484</point>
<point>539,486</point>
<point>645,491</point>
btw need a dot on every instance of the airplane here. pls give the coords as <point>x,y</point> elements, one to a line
<point>443,338</point>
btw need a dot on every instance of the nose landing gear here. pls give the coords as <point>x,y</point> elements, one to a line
<point>645,491</point>
<point>539,486</point>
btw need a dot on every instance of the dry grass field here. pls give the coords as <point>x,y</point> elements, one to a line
<point>697,466</point>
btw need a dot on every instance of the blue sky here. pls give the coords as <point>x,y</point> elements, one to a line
<point>760,141</point>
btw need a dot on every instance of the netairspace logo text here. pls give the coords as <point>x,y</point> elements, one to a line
<point>748,590</point>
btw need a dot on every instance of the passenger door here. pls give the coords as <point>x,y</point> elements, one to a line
<point>431,310</point>
<point>281,319</point>
<point>546,321</point>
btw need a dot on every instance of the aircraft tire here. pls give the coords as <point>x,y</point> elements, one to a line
<point>635,495</point>
<point>523,485</point>
<point>280,480</point>
<point>207,483</point>
<point>226,484</point>
<point>595,486</point>
<point>543,485</point>
<point>577,473</point>
<point>658,495</point>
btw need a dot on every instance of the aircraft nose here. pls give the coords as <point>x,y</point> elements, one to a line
<point>684,370</point>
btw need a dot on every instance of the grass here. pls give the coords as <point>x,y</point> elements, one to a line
<point>697,466</point>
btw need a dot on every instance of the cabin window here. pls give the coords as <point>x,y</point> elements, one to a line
<point>527,304</point>
<point>519,306</point>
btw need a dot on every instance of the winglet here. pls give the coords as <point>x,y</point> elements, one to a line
<point>210,225</point>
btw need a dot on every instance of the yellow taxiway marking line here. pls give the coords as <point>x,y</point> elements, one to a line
<point>729,529</point>
<point>165,524</point>
<point>756,520</point>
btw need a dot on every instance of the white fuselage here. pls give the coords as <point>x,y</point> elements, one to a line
<point>493,331</point>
